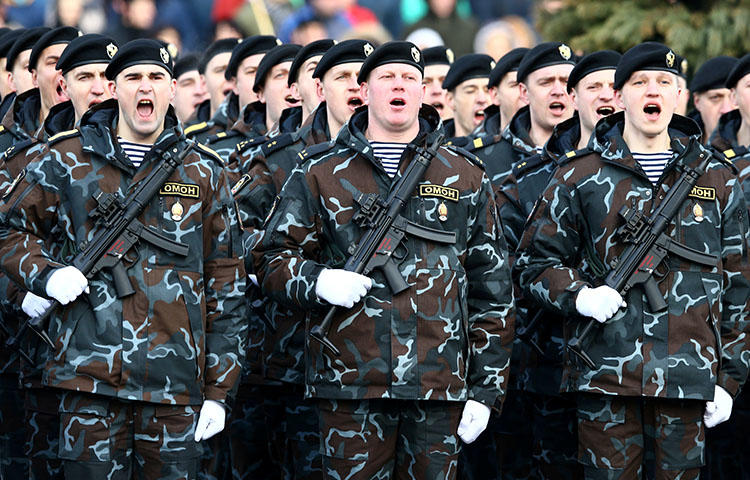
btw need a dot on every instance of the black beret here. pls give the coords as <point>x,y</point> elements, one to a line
<point>312,49</point>
<point>741,68</point>
<point>348,51</point>
<point>142,51</point>
<point>392,52</point>
<point>438,56</point>
<point>3,31</point>
<point>224,45</point>
<point>8,40</point>
<point>56,36</point>
<point>544,55</point>
<point>645,56</point>
<point>507,63</point>
<point>712,74</point>
<point>87,49</point>
<point>467,67</point>
<point>186,63</point>
<point>24,42</point>
<point>593,62</point>
<point>275,56</point>
<point>248,47</point>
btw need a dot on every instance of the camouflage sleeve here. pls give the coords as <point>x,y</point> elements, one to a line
<point>511,213</point>
<point>734,329</point>
<point>224,280</point>
<point>286,255</point>
<point>27,215</point>
<point>550,248</point>
<point>490,302</point>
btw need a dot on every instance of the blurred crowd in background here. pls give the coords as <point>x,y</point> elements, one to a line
<point>483,26</point>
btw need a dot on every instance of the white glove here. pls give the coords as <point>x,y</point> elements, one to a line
<point>341,287</point>
<point>65,284</point>
<point>34,305</point>
<point>210,421</point>
<point>253,279</point>
<point>473,420</point>
<point>719,410</point>
<point>600,303</point>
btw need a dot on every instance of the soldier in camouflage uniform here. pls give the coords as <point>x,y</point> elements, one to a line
<point>277,343</point>
<point>159,363</point>
<point>191,89</point>
<point>391,405</point>
<point>301,79</point>
<point>7,90</point>
<point>504,91</point>
<point>711,97</point>
<point>653,387</point>
<point>437,62</point>
<point>467,95</point>
<point>725,457</point>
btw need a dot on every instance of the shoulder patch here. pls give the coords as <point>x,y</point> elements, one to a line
<point>316,149</point>
<point>62,136</point>
<point>278,143</point>
<point>210,152</point>
<point>250,142</point>
<point>465,153</point>
<point>221,135</point>
<point>198,127</point>
<point>571,155</point>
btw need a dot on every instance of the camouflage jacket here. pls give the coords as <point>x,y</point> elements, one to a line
<point>280,354</point>
<point>723,141</point>
<point>6,103</point>
<point>21,121</point>
<point>701,339</point>
<point>202,114</point>
<point>448,336</point>
<point>250,127</point>
<point>179,338</point>
<point>223,119</point>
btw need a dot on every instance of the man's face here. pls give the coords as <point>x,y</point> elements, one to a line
<point>594,97</point>
<point>246,79</point>
<point>218,87</point>
<point>341,91</point>
<point>741,96</point>
<point>434,93</point>
<point>22,81</point>
<point>144,93</point>
<point>649,98</point>
<point>712,104</point>
<point>47,77</point>
<point>545,90</point>
<point>394,93</point>
<point>468,100</point>
<point>86,85</point>
<point>191,92</point>
<point>305,87</point>
<point>507,96</point>
<point>276,93</point>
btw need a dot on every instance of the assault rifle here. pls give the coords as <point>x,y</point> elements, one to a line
<point>118,231</point>
<point>648,246</point>
<point>385,229</point>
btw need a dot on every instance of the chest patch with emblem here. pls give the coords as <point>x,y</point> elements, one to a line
<point>180,190</point>
<point>439,191</point>
<point>703,193</point>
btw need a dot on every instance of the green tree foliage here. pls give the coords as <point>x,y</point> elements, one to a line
<point>697,30</point>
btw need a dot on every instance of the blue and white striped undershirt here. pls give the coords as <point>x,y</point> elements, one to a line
<point>389,155</point>
<point>653,163</point>
<point>134,151</point>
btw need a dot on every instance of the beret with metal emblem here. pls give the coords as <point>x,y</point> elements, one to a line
<point>593,62</point>
<point>545,55</point>
<point>248,47</point>
<point>85,50</point>
<point>186,63</point>
<point>142,51</point>
<point>225,45</point>
<point>275,56</point>
<point>741,68</point>
<point>56,36</point>
<point>7,41</point>
<point>348,51</point>
<point>507,63</point>
<point>645,56</point>
<point>468,67</point>
<point>3,31</point>
<point>312,49</point>
<point>24,42</point>
<point>712,74</point>
<point>392,52</point>
<point>440,55</point>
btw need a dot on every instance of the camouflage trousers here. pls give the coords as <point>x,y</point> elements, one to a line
<point>617,435</point>
<point>42,434</point>
<point>274,434</point>
<point>103,437</point>
<point>384,439</point>
<point>13,461</point>
<point>555,437</point>
<point>726,451</point>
